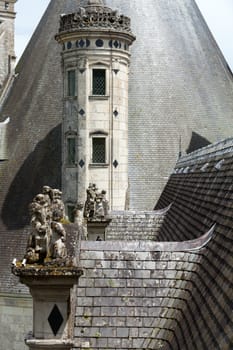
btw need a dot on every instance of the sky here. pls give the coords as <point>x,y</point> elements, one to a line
<point>217,13</point>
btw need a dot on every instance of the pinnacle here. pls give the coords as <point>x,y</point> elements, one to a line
<point>95,2</point>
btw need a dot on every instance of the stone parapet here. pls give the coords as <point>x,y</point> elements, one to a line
<point>94,18</point>
<point>135,225</point>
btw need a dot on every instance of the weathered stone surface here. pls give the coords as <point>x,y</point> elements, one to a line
<point>134,225</point>
<point>7,47</point>
<point>122,306</point>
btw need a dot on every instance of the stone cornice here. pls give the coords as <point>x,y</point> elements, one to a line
<point>184,246</point>
<point>94,18</point>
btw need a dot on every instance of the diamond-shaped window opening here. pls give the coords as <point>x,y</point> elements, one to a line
<point>115,113</point>
<point>81,163</point>
<point>115,163</point>
<point>69,45</point>
<point>55,319</point>
<point>82,112</point>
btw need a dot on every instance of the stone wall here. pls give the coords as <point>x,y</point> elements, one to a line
<point>135,225</point>
<point>7,60</point>
<point>15,320</point>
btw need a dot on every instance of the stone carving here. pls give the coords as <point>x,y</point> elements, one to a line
<point>95,3</point>
<point>95,16</point>
<point>82,63</point>
<point>48,236</point>
<point>80,220</point>
<point>96,205</point>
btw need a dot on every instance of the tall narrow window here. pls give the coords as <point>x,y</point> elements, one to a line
<point>98,150</point>
<point>99,82</point>
<point>71,151</point>
<point>70,212</point>
<point>71,83</point>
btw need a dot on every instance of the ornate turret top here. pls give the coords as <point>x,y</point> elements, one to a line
<point>95,16</point>
<point>95,3</point>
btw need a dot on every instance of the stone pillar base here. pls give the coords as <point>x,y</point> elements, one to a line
<point>96,229</point>
<point>53,318</point>
<point>45,344</point>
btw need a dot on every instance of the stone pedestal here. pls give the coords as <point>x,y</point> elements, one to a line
<point>96,229</point>
<point>51,289</point>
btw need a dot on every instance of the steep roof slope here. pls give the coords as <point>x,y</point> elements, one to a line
<point>200,190</point>
<point>179,87</point>
<point>179,84</point>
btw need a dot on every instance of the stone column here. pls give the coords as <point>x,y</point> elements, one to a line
<point>7,49</point>
<point>51,290</point>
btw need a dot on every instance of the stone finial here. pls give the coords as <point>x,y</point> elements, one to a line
<point>95,16</point>
<point>96,206</point>
<point>95,3</point>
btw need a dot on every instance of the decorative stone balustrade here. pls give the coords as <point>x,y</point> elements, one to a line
<point>94,17</point>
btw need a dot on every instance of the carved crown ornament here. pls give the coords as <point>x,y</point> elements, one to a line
<point>95,16</point>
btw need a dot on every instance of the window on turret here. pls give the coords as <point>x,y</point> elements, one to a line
<point>99,82</point>
<point>70,212</point>
<point>71,83</point>
<point>98,150</point>
<point>71,152</point>
<point>7,5</point>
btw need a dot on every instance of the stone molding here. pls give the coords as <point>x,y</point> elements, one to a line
<point>97,17</point>
<point>42,344</point>
<point>185,246</point>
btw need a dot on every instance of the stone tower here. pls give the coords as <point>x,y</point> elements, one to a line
<point>7,53</point>
<point>95,57</point>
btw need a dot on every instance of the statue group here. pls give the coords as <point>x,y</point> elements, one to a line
<point>47,240</point>
<point>96,205</point>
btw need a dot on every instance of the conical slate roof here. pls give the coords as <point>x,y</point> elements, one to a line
<point>180,87</point>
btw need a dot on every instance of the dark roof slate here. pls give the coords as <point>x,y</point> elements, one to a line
<point>172,93</point>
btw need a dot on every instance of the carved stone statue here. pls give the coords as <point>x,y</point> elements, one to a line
<point>48,236</point>
<point>80,220</point>
<point>96,205</point>
<point>95,2</point>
